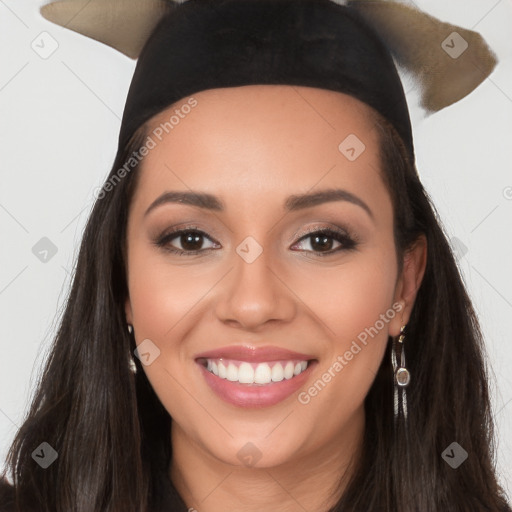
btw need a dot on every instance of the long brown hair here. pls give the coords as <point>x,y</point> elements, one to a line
<point>107,423</point>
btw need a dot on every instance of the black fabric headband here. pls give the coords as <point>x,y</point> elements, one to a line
<point>205,44</point>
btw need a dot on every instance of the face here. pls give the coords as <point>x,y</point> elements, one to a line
<point>260,267</point>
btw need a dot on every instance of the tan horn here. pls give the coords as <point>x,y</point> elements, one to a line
<point>122,24</point>
<point>449,61</point>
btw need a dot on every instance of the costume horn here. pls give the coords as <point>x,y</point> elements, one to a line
<point>121,24</point>
<point>448,61</point>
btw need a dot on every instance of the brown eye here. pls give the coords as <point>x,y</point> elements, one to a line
<point>321,241</point>
<point>190,241</point>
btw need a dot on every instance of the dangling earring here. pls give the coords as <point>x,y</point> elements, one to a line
<point>131,362</point>
<point>401,376</point>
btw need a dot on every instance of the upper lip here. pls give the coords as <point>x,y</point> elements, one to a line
<point>251,354</point>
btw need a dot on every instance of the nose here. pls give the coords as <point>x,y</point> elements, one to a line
<point>256,293</point>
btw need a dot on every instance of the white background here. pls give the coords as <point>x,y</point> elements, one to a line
<point>59,124</point>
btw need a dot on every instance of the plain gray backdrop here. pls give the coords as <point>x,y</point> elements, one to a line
<point>59,122</point>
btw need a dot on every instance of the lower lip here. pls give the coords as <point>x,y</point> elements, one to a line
<point>255,395</point>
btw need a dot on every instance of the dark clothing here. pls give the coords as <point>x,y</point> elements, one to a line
<point>165,499</point>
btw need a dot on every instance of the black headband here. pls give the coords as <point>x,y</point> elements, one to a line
<point>205,44</point>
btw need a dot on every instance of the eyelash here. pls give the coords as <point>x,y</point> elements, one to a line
<point>348,242</point>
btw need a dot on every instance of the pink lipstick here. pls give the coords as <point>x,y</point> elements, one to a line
<point>250,377</point>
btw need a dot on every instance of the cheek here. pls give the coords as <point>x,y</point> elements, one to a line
<point>364,295</point>
<point>354,302</point>
<point>351,297</point>
<point>355,299</point>
<point>161,294</point>
<point>164,300</point>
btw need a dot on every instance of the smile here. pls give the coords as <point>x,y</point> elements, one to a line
<point>255,385</point>
<point>262,373</point>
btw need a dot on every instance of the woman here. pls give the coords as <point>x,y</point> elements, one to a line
<point>266,313</point>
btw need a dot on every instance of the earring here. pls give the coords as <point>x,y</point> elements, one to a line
<point>131,362</point>
<point>401,376</point>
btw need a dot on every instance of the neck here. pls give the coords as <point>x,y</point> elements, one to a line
<point>312,480</point>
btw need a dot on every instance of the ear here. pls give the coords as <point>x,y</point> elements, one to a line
<point>408,283</point>
<point>128,310</point>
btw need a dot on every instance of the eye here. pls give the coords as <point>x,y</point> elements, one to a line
<point>321,241</point>
<point>190,239</point>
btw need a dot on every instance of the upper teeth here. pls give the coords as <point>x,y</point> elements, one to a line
<point>257,373</point>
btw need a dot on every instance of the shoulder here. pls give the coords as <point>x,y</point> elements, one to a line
<point>6,496</point>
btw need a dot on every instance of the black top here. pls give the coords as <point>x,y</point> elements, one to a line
<point>165,499</point>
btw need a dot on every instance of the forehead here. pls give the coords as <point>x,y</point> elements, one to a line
<point>259,143</point>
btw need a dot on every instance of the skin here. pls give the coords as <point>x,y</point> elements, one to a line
<point>253,146</point>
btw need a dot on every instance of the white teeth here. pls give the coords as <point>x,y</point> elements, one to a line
<point>262,373</point>
<point>232,372</point>
<point>245,374</point>
<point>222,370</point>
<point>277,373</point>
<point>288,371</point>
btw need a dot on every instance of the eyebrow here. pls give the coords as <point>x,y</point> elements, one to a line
<point>292,203</point>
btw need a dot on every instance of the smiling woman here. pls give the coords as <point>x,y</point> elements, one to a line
<point>246,295</point>
<point>340,240</point>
